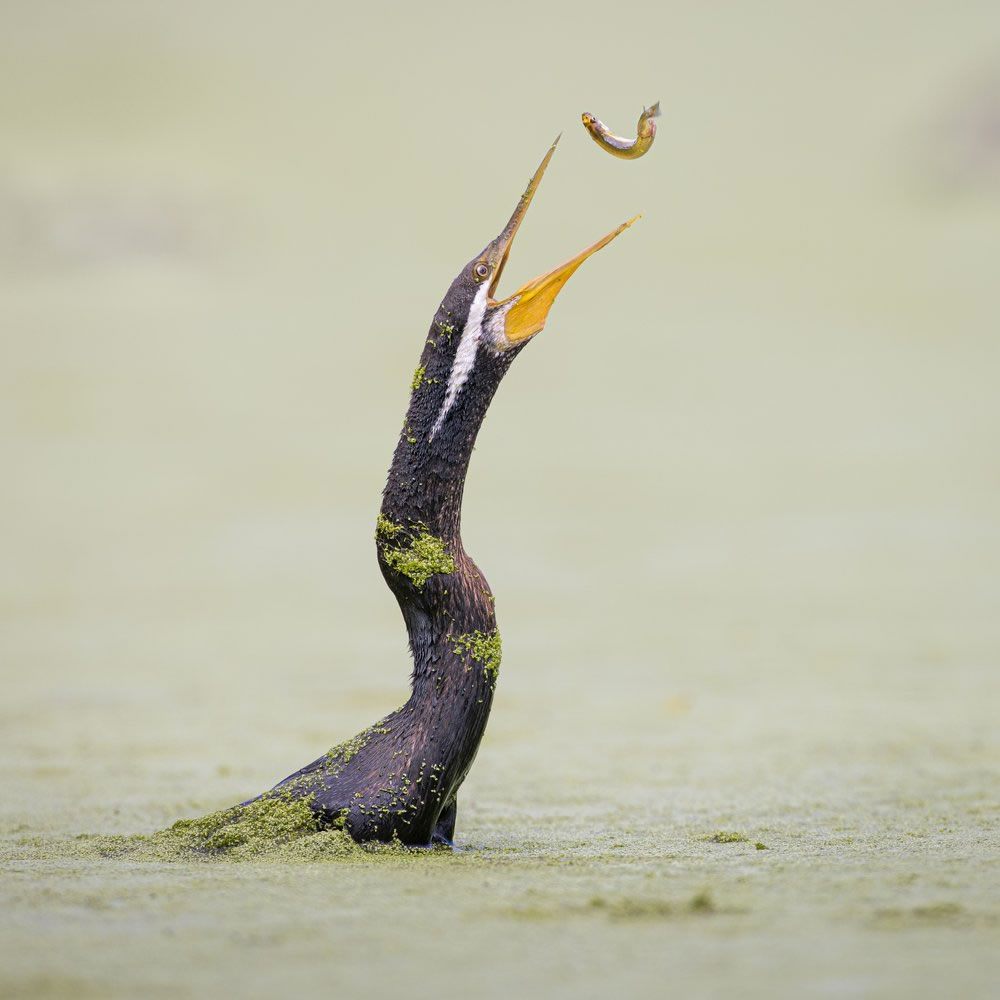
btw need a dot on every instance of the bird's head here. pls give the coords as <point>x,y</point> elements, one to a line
<point>510,321</point>
<point>475,335</point>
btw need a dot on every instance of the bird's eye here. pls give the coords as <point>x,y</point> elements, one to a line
<point>482,271</point>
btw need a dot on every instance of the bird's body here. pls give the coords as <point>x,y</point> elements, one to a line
<point>399,778</point>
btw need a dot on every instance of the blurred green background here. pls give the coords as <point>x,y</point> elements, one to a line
<point>738,502</point>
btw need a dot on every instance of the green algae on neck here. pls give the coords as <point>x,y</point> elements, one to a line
<point>484,649</point>
<point>425,555</point>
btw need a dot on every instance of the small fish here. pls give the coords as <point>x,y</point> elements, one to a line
<point>627,149</point>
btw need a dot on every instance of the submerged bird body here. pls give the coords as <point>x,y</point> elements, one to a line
<point>399,778</point>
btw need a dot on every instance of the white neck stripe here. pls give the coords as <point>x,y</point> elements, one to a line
<point>465,355</point>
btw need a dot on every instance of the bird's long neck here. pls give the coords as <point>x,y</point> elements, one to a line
<point>445,600</point>
<point>451,390</point>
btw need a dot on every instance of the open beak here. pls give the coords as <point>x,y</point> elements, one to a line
<point>528,307</point>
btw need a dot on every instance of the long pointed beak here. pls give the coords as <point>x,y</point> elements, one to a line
<point>528,307</point>
<point>498,251</point>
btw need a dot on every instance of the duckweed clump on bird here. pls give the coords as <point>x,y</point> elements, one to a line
<point>272,819</point>
<point>424,557</point>
<point>338,757</point>
<point>384,528</point>
<point>276,827</point>
<point>418,377</point>
<point>485,649</point>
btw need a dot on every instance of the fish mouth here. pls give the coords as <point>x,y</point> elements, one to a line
<point>526,310</point>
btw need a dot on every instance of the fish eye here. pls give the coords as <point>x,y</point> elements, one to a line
<point>481,271</point>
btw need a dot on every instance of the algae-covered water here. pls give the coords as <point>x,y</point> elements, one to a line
<point>738,502</point>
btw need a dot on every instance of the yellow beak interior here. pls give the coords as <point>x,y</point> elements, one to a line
<point>530,304</point>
